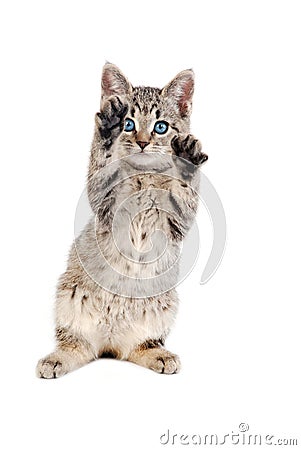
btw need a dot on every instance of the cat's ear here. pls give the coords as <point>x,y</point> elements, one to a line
<point>180,91</point>
<point>113,82</point>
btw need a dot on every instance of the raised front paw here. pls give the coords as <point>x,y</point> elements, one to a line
<point>111,117</point>
<point>189,148</point>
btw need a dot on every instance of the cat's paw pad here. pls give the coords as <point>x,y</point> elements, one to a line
<point>111,116</point>
<point>189,148</point>
<point>50,368</point>
<point>166,363</point>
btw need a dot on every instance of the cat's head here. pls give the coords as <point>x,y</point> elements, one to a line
<point>154,116</point>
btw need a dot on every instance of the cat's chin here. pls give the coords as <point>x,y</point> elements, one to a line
<point>149,161</point>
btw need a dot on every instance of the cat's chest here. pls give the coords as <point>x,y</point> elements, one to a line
<point>150,196</point>
<point>144,209</point>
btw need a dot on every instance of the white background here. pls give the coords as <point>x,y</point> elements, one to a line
<point>239,335</point>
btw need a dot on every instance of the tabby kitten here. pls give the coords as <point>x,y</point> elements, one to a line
<point>117,294</point>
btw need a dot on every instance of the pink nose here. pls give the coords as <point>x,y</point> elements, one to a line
<point>142,144</point>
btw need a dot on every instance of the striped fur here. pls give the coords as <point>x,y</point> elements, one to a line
<point>93,320</point>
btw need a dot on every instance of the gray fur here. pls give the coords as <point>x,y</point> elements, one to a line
<point>132,193</point>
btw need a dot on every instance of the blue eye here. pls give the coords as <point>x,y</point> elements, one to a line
<point>129,125</point>
<point>161,127</point>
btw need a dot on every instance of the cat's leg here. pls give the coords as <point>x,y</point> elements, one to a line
<point>155,357</point>
<point>109,123</point>
<point>72,351</point>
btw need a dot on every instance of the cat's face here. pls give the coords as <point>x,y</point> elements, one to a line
<point>154,115</point>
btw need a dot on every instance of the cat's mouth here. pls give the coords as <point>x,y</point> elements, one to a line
<point>149,160</point>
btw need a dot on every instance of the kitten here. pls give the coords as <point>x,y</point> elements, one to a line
<point>117,294</point>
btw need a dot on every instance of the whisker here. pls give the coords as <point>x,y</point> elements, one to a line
<point>161,149</point>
